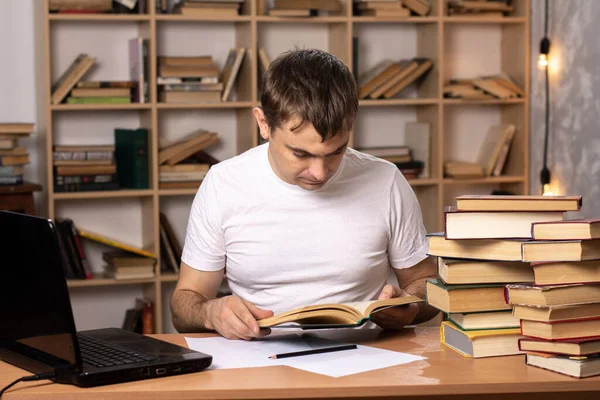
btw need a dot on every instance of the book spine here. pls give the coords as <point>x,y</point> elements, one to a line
<point>85,187</point>
<point>87,270</point>
<point>11,180</point>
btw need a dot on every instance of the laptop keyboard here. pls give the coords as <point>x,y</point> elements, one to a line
<point>103,354</point>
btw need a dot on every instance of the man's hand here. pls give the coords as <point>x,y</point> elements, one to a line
<point>395,318</point>
<point>235,318</point>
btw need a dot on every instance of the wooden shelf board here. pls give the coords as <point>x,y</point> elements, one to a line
<point>188,106</point>
<point>99,17</point>
<point>484,20</point>
<point>185,18</point>
<point>77,283</point>
<point>397,102</point>
<point>100,107</point>
<point>302,20</point>
<point>519,100</point>
<point>396,20</point>
<point>423,182</point>
<point>168,278</point>
<point>177,192</point>
<point>488,180</point>
<point>102,194</point>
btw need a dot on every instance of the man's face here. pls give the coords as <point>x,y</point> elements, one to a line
<point>300,157</point>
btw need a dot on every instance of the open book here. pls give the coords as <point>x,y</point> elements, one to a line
<point>334,315</point>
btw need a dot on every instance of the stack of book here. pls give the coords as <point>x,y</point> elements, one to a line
<point>13,157</point>
<point>123,265</point>
<point>305,8</point>
<point>84,168</point>
<point>97,6</point>
<point>179,169</point>
<point>102,92</point>
<point>491,158</point>
<point>486,245</point>
<point>560,312</point>
<point>483,88</point>
<point>70,89</point>
<point>389,78</point>
<point>208,8</point>
<point>197,79</point>
<point>392,8</point>
<point>400,156</point>
<point>479,8</point>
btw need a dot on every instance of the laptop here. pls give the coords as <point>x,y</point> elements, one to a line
<point>37,329</point>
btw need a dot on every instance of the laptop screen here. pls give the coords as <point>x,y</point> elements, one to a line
<point>36,314</point>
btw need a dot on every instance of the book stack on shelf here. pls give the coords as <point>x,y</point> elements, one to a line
<point>389,78</point>
<point>487,244</point>
<point>198,79</point>
<point>70,89</point>
<point>180,168</point>
<point>560,312</point>
<point>479,8</point>
<point>400,156</point>
<point>123,265</point>
<point>13,157</point>
<point>84,168</point>
<point>170,248</point>
<point>97,6</point>
<point>208,8</point>
<point>392,8</point>
<point>132,158</point>
<point>483,88</point>
<point>305,8</point>
<point>491,157</point>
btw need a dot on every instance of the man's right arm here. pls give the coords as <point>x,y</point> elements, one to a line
<point>194,307</point>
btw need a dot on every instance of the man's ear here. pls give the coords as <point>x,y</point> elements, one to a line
<point>261,120</point>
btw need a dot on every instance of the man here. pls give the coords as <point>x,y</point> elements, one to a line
<point>302,219</point>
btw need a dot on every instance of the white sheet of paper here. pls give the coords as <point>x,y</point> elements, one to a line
<point>245,354</point>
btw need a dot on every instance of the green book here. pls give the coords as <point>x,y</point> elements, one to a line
<point>466,298</point>
<point>131,155</point>
<point>98,100</point>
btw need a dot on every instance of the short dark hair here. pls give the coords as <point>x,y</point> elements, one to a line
<point>314,86</point>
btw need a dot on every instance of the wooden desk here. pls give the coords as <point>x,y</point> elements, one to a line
<point>444,375</point>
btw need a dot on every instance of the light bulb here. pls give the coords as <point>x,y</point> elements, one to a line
<point>543,61</point>
<point>546,191</point>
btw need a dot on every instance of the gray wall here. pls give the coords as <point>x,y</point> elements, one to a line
<point>574,146</point>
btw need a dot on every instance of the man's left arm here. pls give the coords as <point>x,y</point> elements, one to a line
<point>411,282</point>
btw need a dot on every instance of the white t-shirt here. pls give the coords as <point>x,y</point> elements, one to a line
<point>285,247</point>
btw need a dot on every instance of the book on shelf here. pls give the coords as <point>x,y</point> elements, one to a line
<point>275,12</point>
<point>189,71</point>
<point>325,5</point>
<point>419,7</point>
<point>139,68</point>
<point>335,315</point>
<point>169,257</point>
<point>406,68</point>
<point>575,367</point>
<point>425,65</point>
<point>376,77</point>
<point>185,147</point>
<point>385,12</point>
<point>174,61</point>
<point>14,160</point>
<point>478,6</point>
<point>8,142</point>
<point>78,68</point>
<point>196,81</point>
<point>117,244</point>
<point>179,185</point>
<point>171,239</point>
<point>377,5</point>
<point>106,85</point>
<point>132,159</point>
<point>70,170</point>
<point>11,170</point>
<point>140,318</point>
<point>207,9</point>
<point>99,100</point>
<point>75,261</point>
<point>574,229</point>
<point>231,69</point>
<point>16,128</point>
<point>557,313</point>
<point>572,347</point>
<point>484,320</point>
<point>463,169</point>
<point>122,265</point>
<point>480,343</point>
<point>190,97</point>
<point>518,203</point>
<point>488,155</point>
<point>506,224</point>
<point>498,86</point>
<point>83,153</point>
<point>465,298</point>
<point>80,5</point>
<point>391,151</point>
<point>464,271</point>
<point>417,137</point>
<point>264,59</point>
<point>85,183</point>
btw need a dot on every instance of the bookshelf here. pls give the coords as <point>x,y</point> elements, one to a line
<point>461,47</point>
